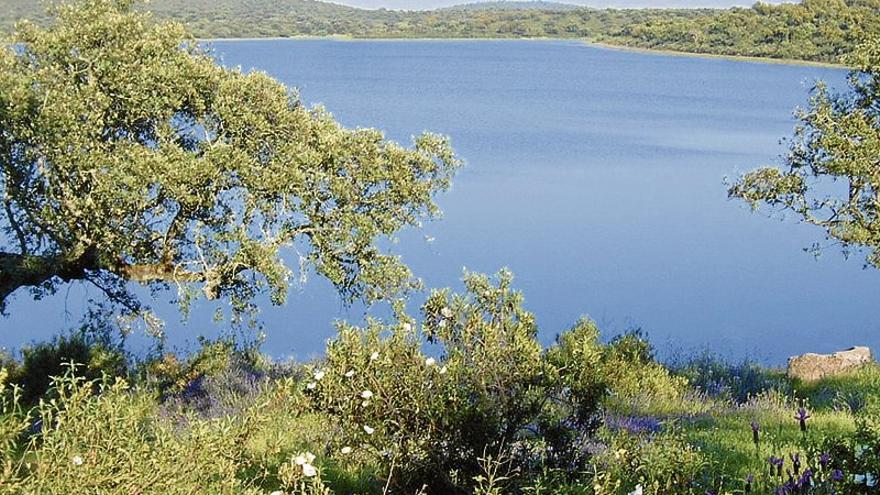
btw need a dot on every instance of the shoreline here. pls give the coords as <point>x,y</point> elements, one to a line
<point>597,44</point>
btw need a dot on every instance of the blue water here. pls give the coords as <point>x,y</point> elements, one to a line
<point>596,175</point>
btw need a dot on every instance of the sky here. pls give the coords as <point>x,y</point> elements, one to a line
<point>432,4</point>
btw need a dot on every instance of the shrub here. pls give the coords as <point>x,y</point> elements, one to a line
<point>429,421</point>
<point>659,462</point>
<point>114,442</point>
<point>46,360</point>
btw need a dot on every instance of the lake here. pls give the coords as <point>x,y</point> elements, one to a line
<point>596,175</point>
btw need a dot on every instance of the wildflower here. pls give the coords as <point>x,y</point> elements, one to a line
<point>366,394</point>
<point>77,460</point>
<point>750,480</point>
<point>776,464</point>
<point>318,375</point>
<point>796,462</point>
<point>756,432</point>
<point>374,356</point>
<point>277,492</point>
<point>802,416</point>
<point>349,373</point>
<point>430,362</point>
<point>824,459</point>
<point>365,403</point>
<point>368,430</point>
<point>311,385</point>
<point>442,370</point>
<point>346,450</point>
<point>309,471</point>
<point>858,479</point>
<point>870,480</point>
<point>837,475</point>
<point>303,459</point>
<point>446,312</point>
<point>407,327</point>
<point>638,491</point>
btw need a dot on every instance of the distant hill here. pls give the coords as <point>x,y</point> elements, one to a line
<point>815,30</point>
<point>516,5</point>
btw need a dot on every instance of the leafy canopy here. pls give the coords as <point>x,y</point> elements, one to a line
<point>128,154</point>
<point>837,143</point>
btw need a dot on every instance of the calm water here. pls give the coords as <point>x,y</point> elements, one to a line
<point>597,176</point>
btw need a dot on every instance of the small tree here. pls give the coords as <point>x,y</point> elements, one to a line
<point>128,154</point>
<point>838,141</point>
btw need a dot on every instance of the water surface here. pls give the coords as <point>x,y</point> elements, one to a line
<point>596,175</point>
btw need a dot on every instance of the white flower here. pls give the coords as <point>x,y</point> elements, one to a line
<point>374,356</point>
<point>368,430</point>
<point>407,327</point>
<point>346,450</point>
<point>442,323</point>
<point>349,374</point>
<point>311,386</point>
<point>277,492</point>
<point>637,491</point>
<point>366,394</point>
<point>365,403</point>
<point>319,374</point>
<point>870,480</point>
<point>77,460</point>
<point>430,362</point>
<point>309,470</point>
<point>443,370</point>
<point>858,479</point>
<point>446,312</point>
<point>303,459</point>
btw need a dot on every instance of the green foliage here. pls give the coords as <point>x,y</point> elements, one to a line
<point>816,30</point>
<point>114,442</point>
<point>660,463</point>
<point>43,361</point>
<point>429,420</point>
<point>832,178</point>
<point>128,154</point>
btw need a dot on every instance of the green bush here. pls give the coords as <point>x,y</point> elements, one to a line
<point>115,442</point>
<point>430,421</point>
<point>43,361</point>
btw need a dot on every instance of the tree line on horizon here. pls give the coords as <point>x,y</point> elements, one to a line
<point>812,30</point>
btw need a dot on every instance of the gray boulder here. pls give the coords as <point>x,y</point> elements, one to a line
<point>812,367</point>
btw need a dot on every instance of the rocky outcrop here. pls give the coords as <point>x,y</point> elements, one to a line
<point>811,367</point>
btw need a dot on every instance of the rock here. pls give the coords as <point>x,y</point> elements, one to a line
<point>812,367</point>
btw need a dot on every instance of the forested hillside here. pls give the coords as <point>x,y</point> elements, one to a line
<point>817,30</point>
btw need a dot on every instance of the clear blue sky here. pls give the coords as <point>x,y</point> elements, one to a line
<point>431,4</point>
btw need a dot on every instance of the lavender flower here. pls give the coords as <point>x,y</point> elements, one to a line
<point>824,460</point>
<point>796,462</point>
<point>802,416</point>
<point>837,475</point>
<point>756,433</point>
<point>750,480</point>
<point>776,464</point>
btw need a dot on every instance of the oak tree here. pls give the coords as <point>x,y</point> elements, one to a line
<point>127,154</point>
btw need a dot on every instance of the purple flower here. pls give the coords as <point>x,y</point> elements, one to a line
<point>796,462</point>
<point>756,432</point>
<point>750,480</point>
<point>837,475</point>
<point>824,459</point>
<point>802,416</point>
<point>777,463</point>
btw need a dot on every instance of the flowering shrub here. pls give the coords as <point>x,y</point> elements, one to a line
<point>428,420</point>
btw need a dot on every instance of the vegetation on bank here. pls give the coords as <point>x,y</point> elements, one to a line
<point>813,30</point>
<point>462,399</point>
